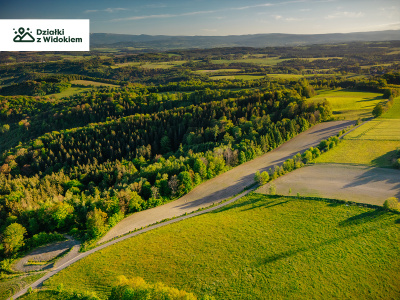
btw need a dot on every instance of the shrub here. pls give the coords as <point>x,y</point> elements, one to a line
<point>392,203</point>
<point>272,189</point>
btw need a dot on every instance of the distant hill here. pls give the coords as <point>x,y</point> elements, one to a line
<point>165,42</point>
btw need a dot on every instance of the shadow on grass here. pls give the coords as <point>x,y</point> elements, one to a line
<point>254,202</point>
<point>363,218</point>
<point>384,160</point>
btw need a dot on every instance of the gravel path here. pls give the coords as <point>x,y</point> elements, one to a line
<point>45,254</point>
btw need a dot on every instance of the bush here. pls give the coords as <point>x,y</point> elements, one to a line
<point>392,203</point>
<point>261,178</point>
<point>272,189</point>
<point>43,238</point>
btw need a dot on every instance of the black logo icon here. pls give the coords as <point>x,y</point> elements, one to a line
<point>23,36</point>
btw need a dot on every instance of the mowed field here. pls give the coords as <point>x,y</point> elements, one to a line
<point>373,143</point>
<point>70,91</point>
<point>94,83</point>
<point>240,77</point>
<point>344,182</point>
<point>349,104</point>
<point>260,247</point>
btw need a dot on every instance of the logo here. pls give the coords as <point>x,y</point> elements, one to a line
<point>44,35</point>
<point>23,36</point>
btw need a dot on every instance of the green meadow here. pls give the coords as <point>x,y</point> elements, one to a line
<point>90,82</point>
<point>373,143</point>
<point>70,91</point>
<point>348,104</point>
<point>9,287</point>
<point>260,247</point>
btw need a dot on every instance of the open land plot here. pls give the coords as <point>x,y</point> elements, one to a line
<point>348,104</point>
<point>256,247</point>
<point>269,61</point>
<point>394,112</point>
<point>70,91</point>
<point>9,287</point>
<point>378,129</point>
<point>240,77</point>
<point>363,184</point>
<point>365,152</point>
<point>229,183</point>
<point>217,71</point>
<point>94,83</point>
<point>149,65</point>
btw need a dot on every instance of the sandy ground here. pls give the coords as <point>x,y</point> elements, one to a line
<point>47,253</point>
<point>228,184</point>
<point>340,181</point>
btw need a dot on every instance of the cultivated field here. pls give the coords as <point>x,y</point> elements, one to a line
<point>227,184</point>
<point>90,82</point>
<point>365,152</point>
<point>242,77</point>
<point>349,105</point>
<point>69,92</point>
<point>262,247</point>
<point>373,143</point>
<point>345,182</point>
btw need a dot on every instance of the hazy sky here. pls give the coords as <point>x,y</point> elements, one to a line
<point>214,17</point>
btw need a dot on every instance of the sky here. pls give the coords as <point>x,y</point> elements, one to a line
<point>214,17</point>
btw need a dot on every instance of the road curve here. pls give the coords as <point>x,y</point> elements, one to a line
<point>212,191</point>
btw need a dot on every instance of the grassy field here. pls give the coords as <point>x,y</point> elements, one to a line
<point>242,77</point>
<point>373,143</point>
<point>94,83</point>
<point>156,65</point>
<point>259,247</point>
<point>269,61</point>
<point>11,286</point>
<point>348,104</point>
<point>378,129</point>
<point>70,91</point>
<point>374,153</point>
<point>216,71</point>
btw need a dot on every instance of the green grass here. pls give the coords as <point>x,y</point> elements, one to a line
<point>348,104</point>
<point>269,61</point>
<point>378,129</point>
<point>364,152</point>
<point>69,92</point>
<point>94,83</point>
<point>394,112</point>
<point>242,77</point>
<point>216,71</point>
<point>9,287</point>
<point>256,248</point>
<point>148,65</point>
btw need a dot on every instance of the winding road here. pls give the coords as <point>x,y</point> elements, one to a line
<point>210,192</point>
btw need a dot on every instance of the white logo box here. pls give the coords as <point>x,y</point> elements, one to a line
<point>61,35</point>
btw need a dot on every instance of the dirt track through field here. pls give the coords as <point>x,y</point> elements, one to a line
<point>340,181</point>
<point>228,184</point>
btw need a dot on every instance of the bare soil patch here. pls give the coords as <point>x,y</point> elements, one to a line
<point>344,182</point>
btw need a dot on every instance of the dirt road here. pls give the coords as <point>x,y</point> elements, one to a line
<point>228,184</point>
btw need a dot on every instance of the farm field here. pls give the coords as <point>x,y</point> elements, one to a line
<point>269,61</point>
<point>240,77</point>
<point>94,83</point>
<point>349,105</point>
<point>365,152</point>
<point>149,65</point>
<point>345,182</point>
<point>69,92</point>
<point>258,246</point>
<point>373,143</point>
